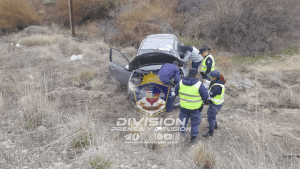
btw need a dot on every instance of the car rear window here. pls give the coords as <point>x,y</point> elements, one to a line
<point>159,44</point>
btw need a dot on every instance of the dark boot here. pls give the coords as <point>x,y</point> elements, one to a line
<point>193,139</point>
<point>216,126</point>
<point>209,133</point>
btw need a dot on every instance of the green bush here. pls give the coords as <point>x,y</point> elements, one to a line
<point>82,139</point>
<point>99,163</point>
<point>291,51</point>
<point>189,41</point>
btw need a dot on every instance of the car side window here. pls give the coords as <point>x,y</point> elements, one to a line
<point>180,47</point>
<point>118,58</point>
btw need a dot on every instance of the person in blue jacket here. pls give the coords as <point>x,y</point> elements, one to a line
<point>192,53</point>
<point>166,73</point>
<point>216,99</point>
<point>191,93</point>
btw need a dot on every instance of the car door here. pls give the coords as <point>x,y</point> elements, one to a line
<point>119,66</point>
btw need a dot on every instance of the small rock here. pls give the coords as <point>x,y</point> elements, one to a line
<point>267,111</point>
<point>155,166</point>
<point>59,165</point>
<point>64,152</point>
<point>41,129</point>
<point>276,134</point>
<point>31,77</point>
<point>24,152</point>
<point>87,87</point>
<point>7,144</point>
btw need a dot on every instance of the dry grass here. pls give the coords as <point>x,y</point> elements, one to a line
<point>93,30</point>
<point>85,77</point>
<point>242,26</point>
<point>75,133</point>
<point>224,63</point>
<point>40,40</point>
<point>145,18</point>
<point>147,130</point>
<point>202,158</point>
<point>17,13</point>
<point>84,10</point>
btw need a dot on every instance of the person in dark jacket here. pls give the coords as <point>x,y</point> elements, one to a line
<point>166,73</point>
<point>208,64</point>
<point>216,99</point>
<point>192,53</point>
<point>191,93</point>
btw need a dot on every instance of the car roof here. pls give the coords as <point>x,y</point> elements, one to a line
<point>159,41</point>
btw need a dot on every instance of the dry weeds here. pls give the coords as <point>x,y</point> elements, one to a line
<point>84,10</point>
<point>70,115</point>
<point>203,158</point>
<point>17,14</point>
<point>145,18</point>
<point>40,40</point>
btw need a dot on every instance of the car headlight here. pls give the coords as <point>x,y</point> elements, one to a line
<point>130,87</point>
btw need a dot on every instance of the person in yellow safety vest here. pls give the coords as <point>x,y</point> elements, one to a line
<point>191,94</point>
<point>207,65</point>
<point>216,99</point>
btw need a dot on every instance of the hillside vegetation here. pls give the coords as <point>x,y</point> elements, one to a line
<point>241,26</point>
<point>58,113</point>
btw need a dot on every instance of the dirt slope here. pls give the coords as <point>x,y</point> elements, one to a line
<point>44,109</point>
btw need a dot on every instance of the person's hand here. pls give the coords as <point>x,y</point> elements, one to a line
<point>204,80</point>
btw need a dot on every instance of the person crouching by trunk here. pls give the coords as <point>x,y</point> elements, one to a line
<point>166,73</point>
<point>191,95</point>
<point>216,99</point>
<point>192,53</point>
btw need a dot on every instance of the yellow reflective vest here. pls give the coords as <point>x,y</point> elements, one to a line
<point>189,96</point>
<point>204,66</point>
<point>218,99</point>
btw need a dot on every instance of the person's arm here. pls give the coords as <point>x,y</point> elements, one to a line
<point>203,92</point>
<point>188,53</point>
<point>208,64</point>
<point>215,90</point>
<point>177,89</point>
<point>177,75</point>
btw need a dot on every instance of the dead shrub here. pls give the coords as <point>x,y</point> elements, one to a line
<point>244,26</point>
<point>17,14</point>
<point>93,30</point>
<point>36,30</point>
<point>129,52</point>
<point>99,163</point>
<point>225,63</point>
<point>85,10</point>
<point>40,40</point>
<point>33,114</point>
<point>289,98</point>
<point>190,41</point>
<point>145,18</point>
<point>69,47</point>
<point>82,139</point>
<point>84,77</point>
<point>202,158</point>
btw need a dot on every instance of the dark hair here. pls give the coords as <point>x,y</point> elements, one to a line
<point>176,63</point>
<point>193,72</point>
